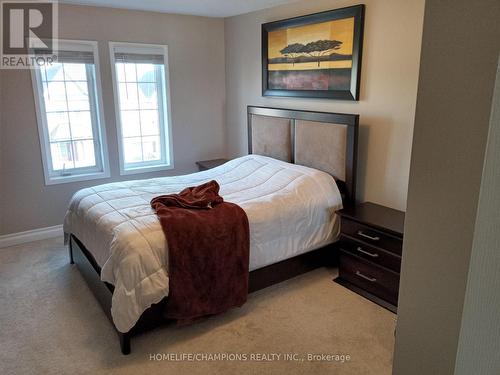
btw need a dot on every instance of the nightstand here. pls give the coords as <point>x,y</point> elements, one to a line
<point>209,164</point>
<point>370,247</point>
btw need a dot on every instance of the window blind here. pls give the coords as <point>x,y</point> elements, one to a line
<point>76,57</point>
<point>138,58</point>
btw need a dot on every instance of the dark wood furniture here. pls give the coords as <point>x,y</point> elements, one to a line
<point>347,184</point>
<point>370,244</point>
<point>153,316</point>
<point>204,165</point>
<point>258,279</point>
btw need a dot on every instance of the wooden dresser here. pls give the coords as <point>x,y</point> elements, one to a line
<point>370,246</point>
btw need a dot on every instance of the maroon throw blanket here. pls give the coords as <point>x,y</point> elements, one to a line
<point>208,249</point>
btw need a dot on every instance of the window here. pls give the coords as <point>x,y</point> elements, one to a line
<point>140,79</point>
<point>67,98</point>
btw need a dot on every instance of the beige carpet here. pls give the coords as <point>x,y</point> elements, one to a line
<point>50,323</point>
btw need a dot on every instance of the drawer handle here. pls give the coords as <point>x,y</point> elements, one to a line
<point>373,255</point>
<point>360,233</point>
<point>370,279</point>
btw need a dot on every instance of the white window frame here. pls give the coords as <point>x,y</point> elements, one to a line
<point>96,109</point>
<point>144,167</point>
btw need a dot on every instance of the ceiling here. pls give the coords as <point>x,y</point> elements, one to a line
<point>209,8</point>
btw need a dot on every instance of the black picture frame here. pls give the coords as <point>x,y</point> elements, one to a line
<point>351,93</point>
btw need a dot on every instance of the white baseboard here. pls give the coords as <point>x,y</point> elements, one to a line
<point>30,236</point>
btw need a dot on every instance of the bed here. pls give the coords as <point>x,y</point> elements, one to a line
<point>300,170</point>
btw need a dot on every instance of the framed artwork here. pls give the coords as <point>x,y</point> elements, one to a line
<point>314,56</point>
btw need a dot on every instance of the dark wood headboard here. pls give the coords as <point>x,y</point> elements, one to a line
<point>321,140</point>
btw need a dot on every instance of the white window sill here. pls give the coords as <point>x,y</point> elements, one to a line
<point>146,169</point>
<point>55,180</point>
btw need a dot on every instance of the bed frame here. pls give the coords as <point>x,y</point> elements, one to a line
<point>261,120</point>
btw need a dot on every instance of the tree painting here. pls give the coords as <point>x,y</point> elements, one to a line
<point>310,54</point>
<point>317,49</point>
<point>292,51</point>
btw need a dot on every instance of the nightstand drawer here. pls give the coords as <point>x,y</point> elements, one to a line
<point>204,165</point>
<point>371,253</point>
<point>374,279</point>
<point>371,236</point>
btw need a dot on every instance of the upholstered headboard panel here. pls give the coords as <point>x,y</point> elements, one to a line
<point>320,140</point>
<point>322,146</point>
<point>271,136</point>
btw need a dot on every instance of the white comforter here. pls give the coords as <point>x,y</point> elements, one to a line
<point>290,209</point>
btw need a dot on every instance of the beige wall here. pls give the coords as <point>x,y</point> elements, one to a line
<point>2,180</point>
<point>388,88</point>
<point>202,71</point>
<point>197,74</point>
<point>460,48</point>
<point>479,343</point>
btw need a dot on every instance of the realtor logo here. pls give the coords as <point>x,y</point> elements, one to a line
<point>27,27</point>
